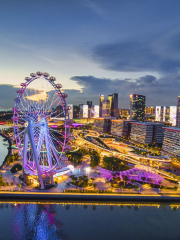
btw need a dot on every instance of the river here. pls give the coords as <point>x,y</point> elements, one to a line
<point>88,222</point>
<point>3,148</point>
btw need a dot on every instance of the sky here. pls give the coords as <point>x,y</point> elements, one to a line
<point>93,47</point>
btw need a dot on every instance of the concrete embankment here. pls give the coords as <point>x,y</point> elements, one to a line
<point>33,196</point>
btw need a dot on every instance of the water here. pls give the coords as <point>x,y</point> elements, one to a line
<point>3,145</point>
<point>3,149</point>
<point>88,222</point>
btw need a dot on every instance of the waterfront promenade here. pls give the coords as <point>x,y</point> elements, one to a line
<point>88,196</point>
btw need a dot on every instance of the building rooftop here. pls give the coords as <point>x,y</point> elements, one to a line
<point>175,129</point>
<point>121,120</point>
<point>146,123</point>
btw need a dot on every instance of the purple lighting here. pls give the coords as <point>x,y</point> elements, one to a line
<point>135,173</point>
<point>54,126</point>
<point>77,124</point>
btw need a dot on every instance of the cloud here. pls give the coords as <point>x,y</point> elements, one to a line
<point>94,7</point>
<point>158,91</point>
<point>7,95</point>
<point>160,53</point>
<point>9,92</point>
<point>146,79</point>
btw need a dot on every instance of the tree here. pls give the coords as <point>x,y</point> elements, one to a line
<point>83,151</point>
<point>118,179</point>
<point>12,184</point>
<point>19,186</point>
<point>143,179</point>
<point>94,186</point>
<point>92,179</point>
<point>95,158</point>
<point>129,187</point>
<point>160,182</point>
<point>133,180</point>
<point>6,184</point>
<point>125,179</point>
<point>122,187</point>
<point>137,188</point>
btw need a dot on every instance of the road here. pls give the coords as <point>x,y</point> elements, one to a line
<point>127,157</point>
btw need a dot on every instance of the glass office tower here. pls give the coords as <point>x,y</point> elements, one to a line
<point>89,103</point>
<point>113,99</point>
<point>137,107</point>
<point>106,108</point>
<point>101,99</point>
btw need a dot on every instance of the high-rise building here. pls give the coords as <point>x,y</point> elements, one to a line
<point>106,108</point>
<point>81,110</point>
<point>114,107</point>
<point>159,114</point>
<point>113,100</point>
<point>147,132</point>
<point>137,107</point>
<point>110,98</point>
<point>120,128</point>
<point>171,143</point>
<point>124,112</point>
<point>101,99</point>
<point>89,103</point>
<point>149,110</point>
<point>76,111</point>
<point>178,113</point>
<point>96,111</point>
<point>102,125</point>
<point>85,111</point>
<point>172,115</point>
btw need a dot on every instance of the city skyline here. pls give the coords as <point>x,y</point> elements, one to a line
<point>89,119</point>
<point>93,48</point>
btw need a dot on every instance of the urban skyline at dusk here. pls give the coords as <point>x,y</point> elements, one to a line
<point>89,119</point>
<point>93,48</point>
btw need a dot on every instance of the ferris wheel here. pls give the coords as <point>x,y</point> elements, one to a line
<point>41,145</point>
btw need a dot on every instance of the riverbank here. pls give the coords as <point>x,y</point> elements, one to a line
<point>46,196</point>
<point>9,149</point>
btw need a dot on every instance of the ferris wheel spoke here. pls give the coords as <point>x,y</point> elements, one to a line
<point>49,99</point>
<point>21,133</point>
<point>55,94</point>
<point>27,99</point>
<point>57,131</point>
<point>55,101</point>
<point>56,140</point>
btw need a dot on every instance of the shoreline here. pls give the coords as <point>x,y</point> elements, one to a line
<point>87,197</point>
<point>9,149</point>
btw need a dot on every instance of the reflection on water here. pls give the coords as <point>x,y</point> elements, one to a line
<point>87,221</point>
<point>35,221</point>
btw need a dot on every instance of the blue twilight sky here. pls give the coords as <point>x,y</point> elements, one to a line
<point>93,47</point>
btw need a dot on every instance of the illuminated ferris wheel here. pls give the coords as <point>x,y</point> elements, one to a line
<point>41,146</point>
